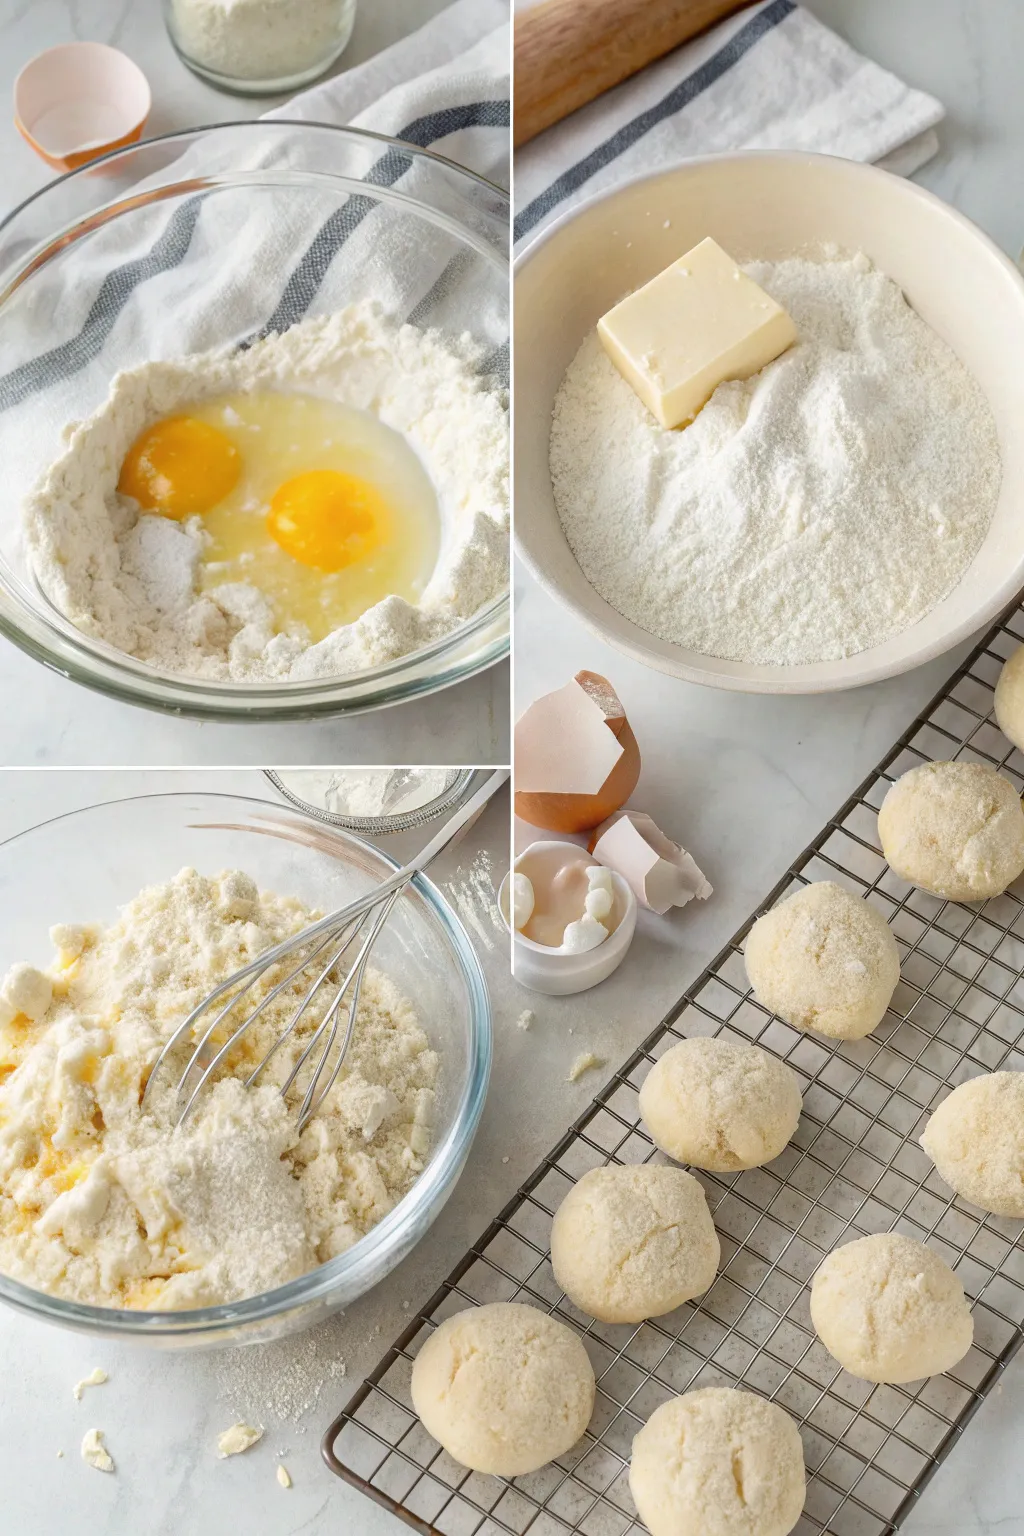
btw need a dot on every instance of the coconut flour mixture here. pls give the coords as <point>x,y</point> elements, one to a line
<point>131,580</point>
<point>260,39</point>
<point>807,513</point>
<point>101,1202</point>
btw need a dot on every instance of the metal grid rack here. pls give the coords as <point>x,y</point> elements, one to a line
<point>854,1167</point>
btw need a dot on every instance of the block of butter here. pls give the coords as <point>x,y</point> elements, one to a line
<point>697,323</point>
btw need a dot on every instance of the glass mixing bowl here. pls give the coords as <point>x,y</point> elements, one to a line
<point>209,238</point>
<point>81,867</point>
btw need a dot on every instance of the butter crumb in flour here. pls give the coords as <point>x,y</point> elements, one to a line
<point>95,1453</point>
<point>585,1062</point>
<point>237,1439</point>
<point>95,1378</point>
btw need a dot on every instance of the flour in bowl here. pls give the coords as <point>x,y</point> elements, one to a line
<point>105,1202</point>
<point>807,513</point>
<point>132,581</point>
<point>260,39</point>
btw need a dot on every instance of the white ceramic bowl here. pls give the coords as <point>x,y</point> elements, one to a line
<point>542,969</point>
<point>771,206</point>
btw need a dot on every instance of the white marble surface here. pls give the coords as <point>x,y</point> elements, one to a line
<point>746,782</point>
<point>48,720</point>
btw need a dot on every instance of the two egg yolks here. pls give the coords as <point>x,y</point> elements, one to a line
<point>182,467</point>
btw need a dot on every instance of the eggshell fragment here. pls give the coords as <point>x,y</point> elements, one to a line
<point>576,758</point>
<point>659,872</point>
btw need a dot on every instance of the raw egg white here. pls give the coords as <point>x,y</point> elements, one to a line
<point>320,506</point>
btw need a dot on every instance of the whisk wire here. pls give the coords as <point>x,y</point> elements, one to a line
<point>310,1105</point>
<point>336,933</point>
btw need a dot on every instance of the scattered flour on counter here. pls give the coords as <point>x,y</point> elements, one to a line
<point>525,1019</point>
<point>103,1202</point>
<point>807,513</point>
<point>473,893</point>
<point>282,1381</point>
<point>131,580</point>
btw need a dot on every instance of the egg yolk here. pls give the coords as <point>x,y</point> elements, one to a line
<point>179,467</point>
<point>328,519</point>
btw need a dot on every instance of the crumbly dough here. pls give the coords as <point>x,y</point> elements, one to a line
<point>889,1309</point>
<point>824,960</point>
<point>504,1388</point>
<point>718,1462</point>
<point>976,1140</point>
<point>630,1243</point>
<point>721,1105</point>
<point>1009,700</point>
<point>955,829</point>
<point>131,581</point>
<point>106,1203</point>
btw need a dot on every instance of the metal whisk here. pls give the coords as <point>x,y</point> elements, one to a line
<point>329,941</point>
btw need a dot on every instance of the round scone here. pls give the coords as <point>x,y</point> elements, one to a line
<point>824,960</point>
<point>718,1462</point>
<point>504,1388</point>
<point>889,1309</point>
<point>976,1140</point>
<point>720,1105</point>
<point>955,829</point>
<point>1009,701</point>
<point>630,1243</point>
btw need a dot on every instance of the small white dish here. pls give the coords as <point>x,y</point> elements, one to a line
<point>770,205</point>
<point>541,969</point>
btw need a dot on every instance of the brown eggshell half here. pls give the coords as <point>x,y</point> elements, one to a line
<point>580,813</point>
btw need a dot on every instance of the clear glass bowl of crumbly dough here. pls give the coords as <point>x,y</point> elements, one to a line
<point>212,242</point>
<point>108,853</point>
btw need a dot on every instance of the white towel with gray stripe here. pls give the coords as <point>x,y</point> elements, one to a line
<point>230,265</point>
<point>770,77</point>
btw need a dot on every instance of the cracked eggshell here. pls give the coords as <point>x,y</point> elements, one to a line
<point>576,758</point>
<point>660,873</point>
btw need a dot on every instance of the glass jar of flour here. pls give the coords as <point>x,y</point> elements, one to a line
<point>259,47</point>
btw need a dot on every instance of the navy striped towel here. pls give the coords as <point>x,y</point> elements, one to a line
<point>771,77</point>
<point>243,263</point>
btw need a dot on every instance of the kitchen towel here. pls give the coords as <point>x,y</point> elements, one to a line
<point>771,77</point>
<point>242,264</point>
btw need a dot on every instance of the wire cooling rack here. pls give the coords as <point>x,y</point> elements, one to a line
<point>853,1167</point>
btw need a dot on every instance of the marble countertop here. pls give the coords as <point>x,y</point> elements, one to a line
<point>48,720</point>
<point>746,781</point>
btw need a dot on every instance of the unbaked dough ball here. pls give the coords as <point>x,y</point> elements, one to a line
<point>630,1243</point>
<point>720,1105</point>
<point>889,1309</point>
<point>976,1140</point>
<point>824,960</point>
<point>955,829</point>
<point>1010,698</point>
<point>718,1462</point>
<point>504,1388</point>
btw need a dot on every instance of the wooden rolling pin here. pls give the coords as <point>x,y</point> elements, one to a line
<point>569,51</point>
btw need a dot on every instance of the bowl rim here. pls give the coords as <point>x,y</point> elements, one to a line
<point>130,681</point>
<point>777,679</point>
<point>317,1284</point>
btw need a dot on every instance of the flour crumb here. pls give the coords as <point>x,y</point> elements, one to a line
<point>94,1453</point>
<point>525,1019</point>
<point>585,1062</point>
<point>284,1476</point>
<point>95,1378</point>
<point>237,1439</point>
<point>60,1455</point>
